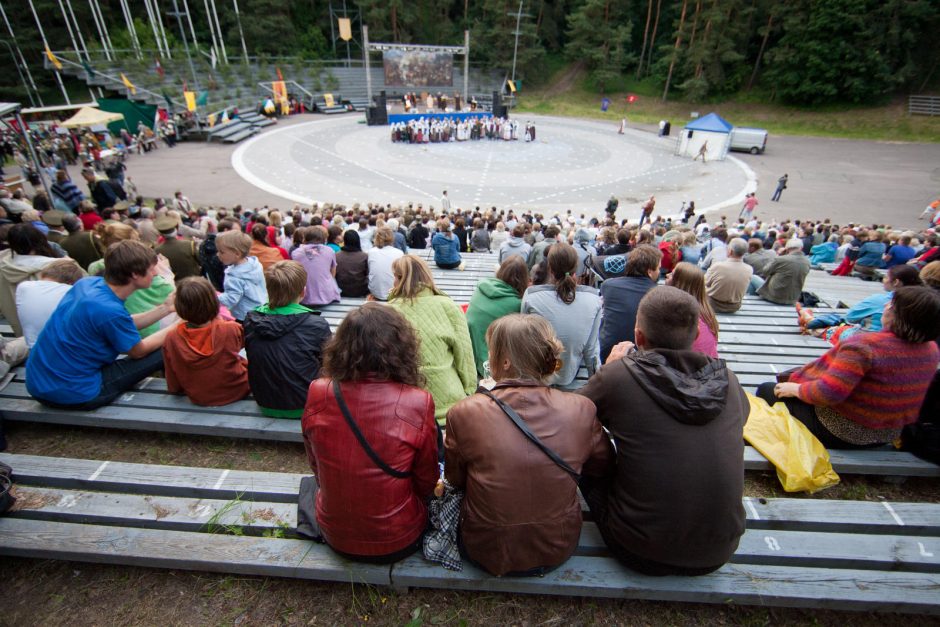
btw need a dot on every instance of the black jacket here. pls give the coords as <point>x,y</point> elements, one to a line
<point>419,236</point>
<point>284,356</point>
<point>677,420</point>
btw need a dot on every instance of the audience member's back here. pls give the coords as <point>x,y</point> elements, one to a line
<point>677,420</point>
<point>284,341</point>
<point>622,295</point>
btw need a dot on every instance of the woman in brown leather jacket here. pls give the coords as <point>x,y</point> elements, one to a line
<point>520,514</point>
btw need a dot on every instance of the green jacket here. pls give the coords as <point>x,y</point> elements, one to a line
<point>446,357</point>
<point>492,299</point>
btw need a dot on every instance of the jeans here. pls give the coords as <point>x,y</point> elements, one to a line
<point>116,379</point>
<point>755,284</point>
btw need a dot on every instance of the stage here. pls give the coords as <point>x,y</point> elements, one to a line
<point>395,118</point>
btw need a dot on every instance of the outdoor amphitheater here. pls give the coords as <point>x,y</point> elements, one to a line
<point>155,508</point>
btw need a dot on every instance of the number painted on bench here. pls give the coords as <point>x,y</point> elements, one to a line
<point>772,543</point>
<point>923,551</point>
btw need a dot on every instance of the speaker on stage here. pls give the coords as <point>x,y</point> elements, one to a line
<point>499,109</point>
<point>377,114</point>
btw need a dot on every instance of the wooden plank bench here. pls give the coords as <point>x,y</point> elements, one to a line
<point>875,556</point>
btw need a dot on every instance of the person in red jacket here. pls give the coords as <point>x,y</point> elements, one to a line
<point>367,512</point>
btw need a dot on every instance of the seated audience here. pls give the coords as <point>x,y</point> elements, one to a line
<point>621,296</point>
<point>727,281</point>
<point>900,253</point>
<point>29,254</point>
<point>863,316</point>
<point>494,298</point>
<point>82,246</point>
<point>758,256</point>
<point>480,238</point>
<point>201,357</point>
<point>446,354</point>
<point>673,505</point>
<point>515,245</point>
<point>74,363</point>
<point>573,310</point>
<point>824,252</point>
<point>181,252</point>
<point>520,514</point>
<point>364,511</point>
<point>244,278</point>
<point>284,342</point>
<point>319,261</point>
<point>689,278</point>
<point>262,249</point>
<point>864,390</point>
<point>381,257</point>
<point>352,267</point>
<point>871,255</point>
<point>785,275</point>
<point>446,246</point>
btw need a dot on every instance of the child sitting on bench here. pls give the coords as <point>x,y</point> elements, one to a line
<point>201,357</point>
<point>284,341</point>
<point>244,278</point>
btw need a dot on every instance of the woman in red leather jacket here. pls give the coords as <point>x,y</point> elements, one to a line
<point>364,512</point>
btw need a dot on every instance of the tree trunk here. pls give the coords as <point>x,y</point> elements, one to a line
<point>698,9</point>
<point>394,17</point>
<point>649,57</point>
<point>760,53</point>
<point>708,29</point>
<point>675,49</point>
<point>646,32</point>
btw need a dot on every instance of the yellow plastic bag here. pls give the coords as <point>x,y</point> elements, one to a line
<point>801,460</point>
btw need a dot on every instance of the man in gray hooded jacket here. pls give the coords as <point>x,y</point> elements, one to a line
<point>673,504</point>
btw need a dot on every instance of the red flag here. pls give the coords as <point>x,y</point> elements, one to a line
<point>631,98</point>
<point>280,76</point>
<point>159,68</point>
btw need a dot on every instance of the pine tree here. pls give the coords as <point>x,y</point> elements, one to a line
<point>599,33</point>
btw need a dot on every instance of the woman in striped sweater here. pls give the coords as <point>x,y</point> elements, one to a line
<point>863,391</point>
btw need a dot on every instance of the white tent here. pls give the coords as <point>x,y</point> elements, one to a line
<point>712,129</point>
<point>87,116</point>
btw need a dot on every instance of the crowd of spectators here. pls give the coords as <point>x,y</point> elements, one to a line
<point>224,301</point>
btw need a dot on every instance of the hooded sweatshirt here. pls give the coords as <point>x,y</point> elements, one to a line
<point>244,288</point>
<point>285,349</point>
<point>492,299</point>
<point>14,269</point>
<point>677,420</point>
<point>203,363</point>
<point>514,246</point>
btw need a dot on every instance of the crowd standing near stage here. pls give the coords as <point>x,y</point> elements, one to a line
<point>224,301</point>
<point>437,130</point>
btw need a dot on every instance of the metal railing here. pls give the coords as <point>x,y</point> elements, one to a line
<point>923,105</point>
<point>118,83</point>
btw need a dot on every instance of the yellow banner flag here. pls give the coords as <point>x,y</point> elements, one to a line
<point>128,84</point>
<point>190,97</point>
<point>52,59</point>
<point>280,90</point>
<point>328,99</point>
<point>345,28</point>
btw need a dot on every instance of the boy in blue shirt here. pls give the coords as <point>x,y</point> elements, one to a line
<point>74,363</point>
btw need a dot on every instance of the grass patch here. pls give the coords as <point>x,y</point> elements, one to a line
<point>888,122</point>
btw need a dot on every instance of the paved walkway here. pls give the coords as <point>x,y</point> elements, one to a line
<point>575,164</point>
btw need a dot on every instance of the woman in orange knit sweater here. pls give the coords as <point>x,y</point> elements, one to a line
<point>268,255</point>
<point>863,391</point>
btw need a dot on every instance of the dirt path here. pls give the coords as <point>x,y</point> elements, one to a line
<point>568,78</point>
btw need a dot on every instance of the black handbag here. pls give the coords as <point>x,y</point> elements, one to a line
<point>520,423</point>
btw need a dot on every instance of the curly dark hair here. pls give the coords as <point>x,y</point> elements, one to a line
<point>373,341</point>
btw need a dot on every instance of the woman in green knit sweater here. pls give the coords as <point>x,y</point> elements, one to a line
<point>446,355</point>
<point>495,298</point>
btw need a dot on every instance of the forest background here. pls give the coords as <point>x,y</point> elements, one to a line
<point>805,53</point>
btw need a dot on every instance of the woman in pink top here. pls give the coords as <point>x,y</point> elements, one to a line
<point>319,261</point>
<point>691,279</point>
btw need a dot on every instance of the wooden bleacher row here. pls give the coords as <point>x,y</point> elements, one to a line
<point>242,127</point>
<point>869,556</point>
<point>757,342</point>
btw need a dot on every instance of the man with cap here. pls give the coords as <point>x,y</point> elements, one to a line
<point>182,254</point>
<point>53,219</point>
<point>83,246</point>
<point>784,276</point>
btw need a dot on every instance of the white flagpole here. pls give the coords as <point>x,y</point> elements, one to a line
<point>104,42</point>
<point>45,43</point>
<point>189,18</point>
<point>241,33</point>
<point>153,26</point>
<point>129,20</point>
<point>104,27</point>
<point>78,30</point>
<point>219,29</point>
<point>16,45</point>
<point>68,26</point>
<point>166,43</point>
<point>215,42</point>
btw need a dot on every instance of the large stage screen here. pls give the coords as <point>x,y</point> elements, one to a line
<point>418,69</point>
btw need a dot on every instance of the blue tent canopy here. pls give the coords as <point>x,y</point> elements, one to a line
<point>712,122</point>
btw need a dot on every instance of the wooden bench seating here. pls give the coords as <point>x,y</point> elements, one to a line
<point>875,556</point>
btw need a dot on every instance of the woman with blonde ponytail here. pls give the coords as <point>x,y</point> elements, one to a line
<point>573,310</point>
<point>520,513</point>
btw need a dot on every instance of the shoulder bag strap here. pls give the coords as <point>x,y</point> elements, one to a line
<point>362,440</point>
<point>520,423</point>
